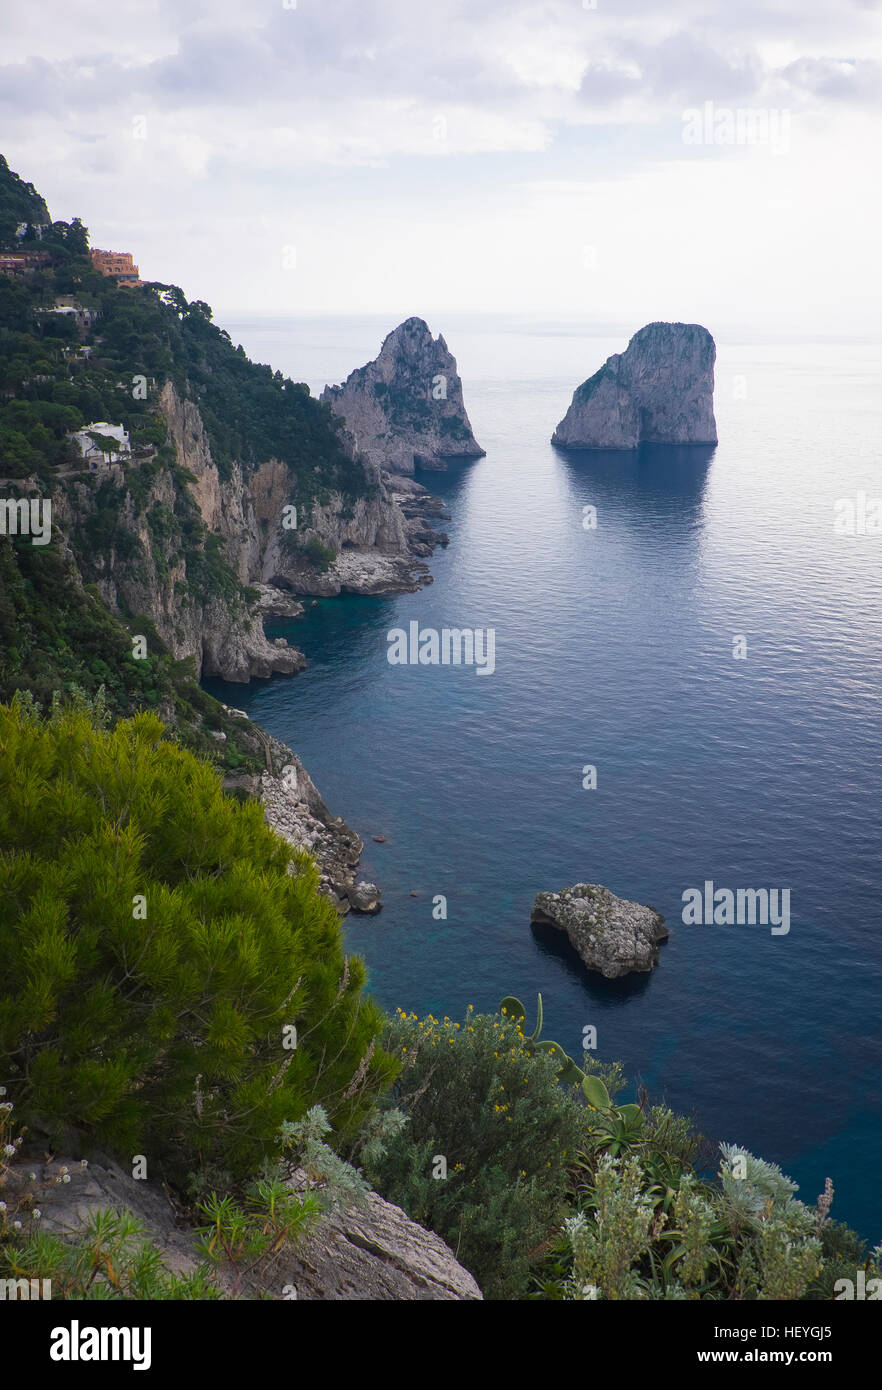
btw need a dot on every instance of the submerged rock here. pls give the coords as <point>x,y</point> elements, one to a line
<point>659,391</point>
<point>611,935</point>
<point>405,408</point>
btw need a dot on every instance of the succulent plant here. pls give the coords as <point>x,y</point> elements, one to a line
<point>570,1074</point>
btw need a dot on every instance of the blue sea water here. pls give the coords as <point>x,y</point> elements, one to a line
<point>614,647</point>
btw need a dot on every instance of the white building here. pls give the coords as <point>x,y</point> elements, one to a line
<point>96,451</point>
<point>68,304</point>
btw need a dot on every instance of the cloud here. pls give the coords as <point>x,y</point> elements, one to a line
<point>345,124</point>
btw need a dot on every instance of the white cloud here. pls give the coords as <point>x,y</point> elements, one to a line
<point>461,154</point>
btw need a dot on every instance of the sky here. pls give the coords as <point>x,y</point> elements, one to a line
<point>612,161</point>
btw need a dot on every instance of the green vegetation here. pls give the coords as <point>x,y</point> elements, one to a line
<point>552,1191</point>
<point>58,638</point>
<point>157,954</point>
<point>169,988</point>
<point>477,1097</point>
<point>110,1259</point>
<point>587,389</point>
<point>155,950</point>
<point>19,202</point>
<point>320,556</point>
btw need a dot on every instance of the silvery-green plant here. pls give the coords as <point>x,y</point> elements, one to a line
<point>609,1241</point>
<point>334,1181</point>
<point>761,1189</point>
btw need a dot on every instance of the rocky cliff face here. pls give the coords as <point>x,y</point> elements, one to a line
<point>659,391</point>
<point>147,569</point>
<point>405,409</point>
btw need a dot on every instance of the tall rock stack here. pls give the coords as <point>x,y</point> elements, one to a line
<point>659,391</point>
<point>405,409</point>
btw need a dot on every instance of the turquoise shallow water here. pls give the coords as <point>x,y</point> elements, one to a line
<point>614,647</point>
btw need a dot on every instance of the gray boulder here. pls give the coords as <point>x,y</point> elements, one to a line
<point>659,391</point>
<point>612,935</point>
<point>364,897</point>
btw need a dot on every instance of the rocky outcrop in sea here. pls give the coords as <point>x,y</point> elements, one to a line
<point>659,391</point>
<point>612,935</point>
<point>405,409</point>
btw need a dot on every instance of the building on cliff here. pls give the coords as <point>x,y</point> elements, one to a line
<point>96,443</point>
<point>117,264</point>
<point>17,263</point>
<point>70,307</point>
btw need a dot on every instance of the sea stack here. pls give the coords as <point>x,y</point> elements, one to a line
<point>659,391</point>
<point>612,935</point>
<point>405,409</point>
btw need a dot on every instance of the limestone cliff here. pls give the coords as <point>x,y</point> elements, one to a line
<point>186,547</point>
<point>659,391</point>
<point>405,408</point>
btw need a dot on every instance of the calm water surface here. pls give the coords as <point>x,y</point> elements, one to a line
<point>614,647</point>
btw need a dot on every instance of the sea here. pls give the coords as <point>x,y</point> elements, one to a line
<point>711,647</point>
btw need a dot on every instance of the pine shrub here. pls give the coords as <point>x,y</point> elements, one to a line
<point>155,951</point>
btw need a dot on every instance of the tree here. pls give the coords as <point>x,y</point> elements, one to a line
<point>77,239</point>
<point>154,950</point>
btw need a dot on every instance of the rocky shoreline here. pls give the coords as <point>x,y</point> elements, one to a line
<point>294,809</point>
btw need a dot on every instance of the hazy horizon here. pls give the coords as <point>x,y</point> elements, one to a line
<point>292,158</point>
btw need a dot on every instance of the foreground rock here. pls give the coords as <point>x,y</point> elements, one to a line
<point>375,1253</point>
<point>378,1253</point>
<point>365,898</point>
<point>611,935</point>
<point>405,408</point>
<point>659,391</point>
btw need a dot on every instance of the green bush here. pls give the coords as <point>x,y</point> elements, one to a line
<point>111,1259</point>
<point>320,556</point>
<point>646,1225</point>
<point>477,1098</point>
<point>153,948</point>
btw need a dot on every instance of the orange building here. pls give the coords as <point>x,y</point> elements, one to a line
<point>19,262</point>
<point>119,264</point>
